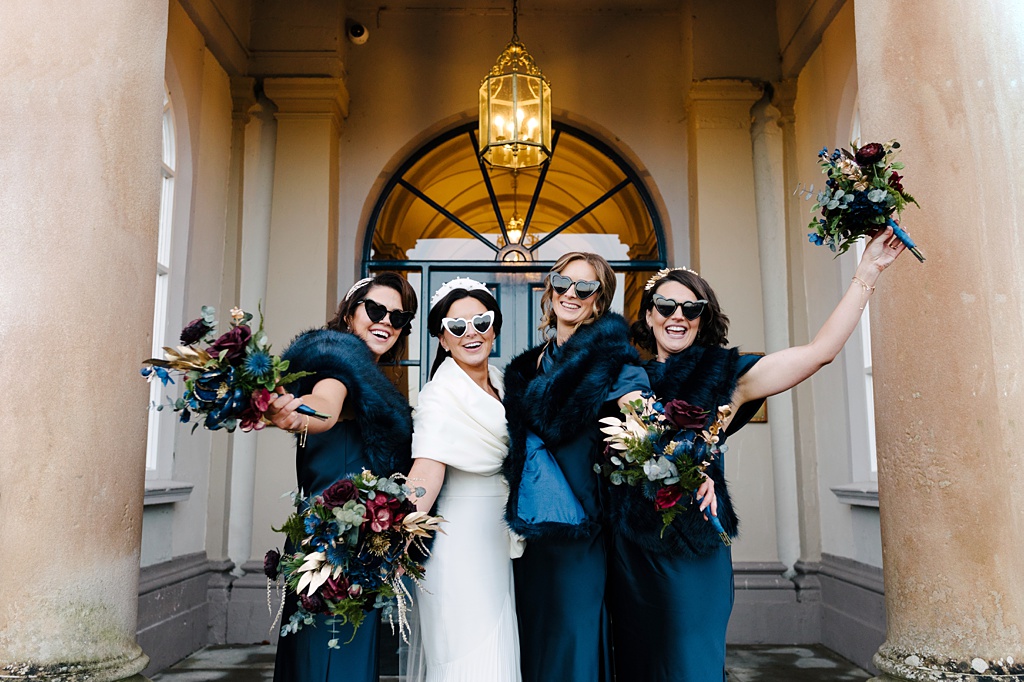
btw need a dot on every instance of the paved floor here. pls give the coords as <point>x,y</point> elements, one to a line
<point>745,664</point>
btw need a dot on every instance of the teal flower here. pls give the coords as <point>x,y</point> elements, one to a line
<point>258,364</point>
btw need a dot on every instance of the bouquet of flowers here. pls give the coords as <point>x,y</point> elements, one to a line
<point>861,194</point>
<point>664,449</point>
<point>230,381</point>
<point>350,548</point>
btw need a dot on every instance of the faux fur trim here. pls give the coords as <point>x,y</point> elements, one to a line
<point>560,404</point>
<point>383,414</point>
<point>706,377</point>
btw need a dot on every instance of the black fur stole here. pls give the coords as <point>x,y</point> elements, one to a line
<point>706,377</point>
<point>383,414</point>
<point>561,403</point>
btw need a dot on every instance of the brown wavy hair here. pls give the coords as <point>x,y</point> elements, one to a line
<point>714,324</point>
<point>347,308</point>
<point>602,299</point>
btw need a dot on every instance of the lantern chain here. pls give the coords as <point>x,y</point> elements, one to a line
<point>515,20</point>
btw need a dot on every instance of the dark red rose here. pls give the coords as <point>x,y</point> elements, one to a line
<point>313,604</point>
<point>270,564</point>
<point>896,181</point>
<point>335,590</point>
<point>683,415</point>
<point>870,154</point>
<point>339,493</point>
<point>667,497</point>
<point>194,331</point>
<point>234,342</point>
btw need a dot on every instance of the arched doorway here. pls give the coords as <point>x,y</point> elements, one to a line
<point>444,213</point>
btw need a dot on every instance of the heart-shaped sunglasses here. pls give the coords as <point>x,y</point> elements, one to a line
<point>667,306</point>
<point>585,288</point>
<point>376,312</point>
<point>458,326</point>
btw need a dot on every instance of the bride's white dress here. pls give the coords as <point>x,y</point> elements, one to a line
<point>466,613</point>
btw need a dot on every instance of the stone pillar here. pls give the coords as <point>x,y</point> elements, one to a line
<point>301,292</point>
<point>80,159</point>
<point>770,194</point>
<point>948,337</point>
<point>724,241</point>
<point>256,192</point>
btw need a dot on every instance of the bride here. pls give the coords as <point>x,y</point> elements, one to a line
<point>466,610</point>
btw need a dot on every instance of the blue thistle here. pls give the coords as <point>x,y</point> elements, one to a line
<point>258,364</point>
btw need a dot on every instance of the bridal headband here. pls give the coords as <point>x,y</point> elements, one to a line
<point>661,274</point>
<point>457,283</point>
<point>362,282</point>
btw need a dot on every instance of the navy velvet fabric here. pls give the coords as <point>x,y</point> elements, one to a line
<point>379,439</point>
<point>560,580</point>
<point>670,597</point>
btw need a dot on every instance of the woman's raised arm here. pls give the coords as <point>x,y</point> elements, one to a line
<point>785,369</point>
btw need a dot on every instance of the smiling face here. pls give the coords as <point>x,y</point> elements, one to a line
<point>569,309</point>
<point>472,349</point>
<point>674,333</point>
<point>379,336</point>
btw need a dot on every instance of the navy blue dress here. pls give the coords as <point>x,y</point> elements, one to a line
<point>670,600</point>
<point>560,581</point>
<point>379,438</point>
<point>303,656</point>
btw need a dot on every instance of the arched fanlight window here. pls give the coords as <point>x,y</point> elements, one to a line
<point>446,213</point>
<point>444,204</point>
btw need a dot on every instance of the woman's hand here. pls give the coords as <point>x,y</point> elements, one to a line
<point>281,411</point>
<point>879,253</point>
<point>328,396</point>
<point>707,498</point>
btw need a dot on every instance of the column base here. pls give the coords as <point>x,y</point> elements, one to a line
<point>118,670</point>
<point>903,666</point>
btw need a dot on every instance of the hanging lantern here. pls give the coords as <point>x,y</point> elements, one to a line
<point>515,108</point>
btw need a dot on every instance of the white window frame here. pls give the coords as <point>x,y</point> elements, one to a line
<point>172,252</point>
<point>863,489</point>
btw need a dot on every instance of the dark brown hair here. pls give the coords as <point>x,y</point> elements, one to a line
<point>714,324</point>
<point>347,308</point>
<point>602,299</point>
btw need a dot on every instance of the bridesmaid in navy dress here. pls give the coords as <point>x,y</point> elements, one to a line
<point>671,596</point>
<point>554,395</point>
<point>370,427</point>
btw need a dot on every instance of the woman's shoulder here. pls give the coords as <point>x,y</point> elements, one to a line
<point>325,341</point>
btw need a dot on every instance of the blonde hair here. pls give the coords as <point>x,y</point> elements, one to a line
<point>602,299</point>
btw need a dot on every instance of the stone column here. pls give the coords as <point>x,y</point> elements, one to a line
<point>724,216</point>
<point>770,194</point>
<point>80,159</point>
<point>301,292</point>
<point>948,337</point>
<point>256,191</point>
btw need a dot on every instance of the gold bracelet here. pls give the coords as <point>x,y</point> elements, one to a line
<point>304,433</point>
<point>868,289</point>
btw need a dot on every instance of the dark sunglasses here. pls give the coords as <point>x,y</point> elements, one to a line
<point>585,288</point>
<point>376,312</point>
<point>666,306</point>
<point>458,326</point>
